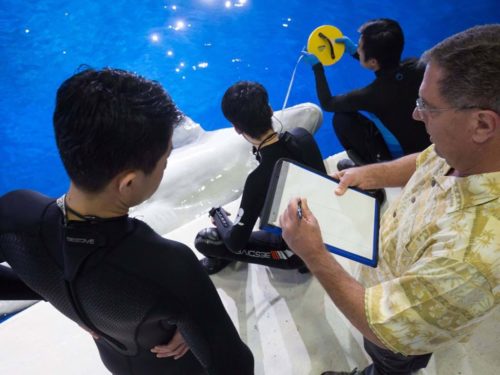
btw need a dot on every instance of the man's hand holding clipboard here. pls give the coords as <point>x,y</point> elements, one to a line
<point>347,224</point>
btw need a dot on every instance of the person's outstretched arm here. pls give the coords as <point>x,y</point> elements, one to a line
<point>394,173</point>
<point>360,99</point>
<point>13,288</point>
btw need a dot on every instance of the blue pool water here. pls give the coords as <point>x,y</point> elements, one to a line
<point>195,48</point>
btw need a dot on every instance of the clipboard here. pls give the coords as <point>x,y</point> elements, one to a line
<point>349,223</point>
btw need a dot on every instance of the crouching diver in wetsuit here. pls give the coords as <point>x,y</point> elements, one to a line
<point>246,106</point>
<point>375,123</point>
<point>112,274</point>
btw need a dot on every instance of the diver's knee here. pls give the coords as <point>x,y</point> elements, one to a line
<point>206,239</point>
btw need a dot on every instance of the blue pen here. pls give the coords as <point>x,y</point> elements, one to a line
<point>299,209</point>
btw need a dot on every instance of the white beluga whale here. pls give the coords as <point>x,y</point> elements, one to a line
<point>209,168</point>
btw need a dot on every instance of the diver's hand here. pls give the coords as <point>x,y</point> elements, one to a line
<point>309,58</point>
<point>350,47</point>
<point>176,348</point>
<point>211,213</point>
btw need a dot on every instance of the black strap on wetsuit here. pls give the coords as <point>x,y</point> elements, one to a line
<point>77,246</point>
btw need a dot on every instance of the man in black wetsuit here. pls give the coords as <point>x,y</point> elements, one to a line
<point>111,274</point>
<point>246,106</point>
<point>386,130</point>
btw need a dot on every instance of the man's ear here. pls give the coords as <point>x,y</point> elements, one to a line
<point>126,182</point>
<point>486,124</point>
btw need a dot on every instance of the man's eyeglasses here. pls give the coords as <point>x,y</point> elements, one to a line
<point>424,108</point>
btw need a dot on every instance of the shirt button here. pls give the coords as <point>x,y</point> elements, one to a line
<point>433,182</point>
<point>412,199</point>
<point>394,214</point>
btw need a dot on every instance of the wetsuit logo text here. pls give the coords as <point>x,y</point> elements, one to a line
<point>254,254</point>
<point>84,241</point>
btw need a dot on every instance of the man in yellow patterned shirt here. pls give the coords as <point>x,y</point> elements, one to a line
<point>438,274</point>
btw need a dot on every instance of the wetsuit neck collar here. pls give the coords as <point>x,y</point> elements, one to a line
<point>256,150</point>
<point>63,206</point>
<point>383,72</point>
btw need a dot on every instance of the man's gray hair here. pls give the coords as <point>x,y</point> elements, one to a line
<point>471,67</point>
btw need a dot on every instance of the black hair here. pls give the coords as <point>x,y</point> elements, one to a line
<point>383,40</point>
<point>246,105</point>
<point>108,121</point>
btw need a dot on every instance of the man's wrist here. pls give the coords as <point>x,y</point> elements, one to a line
<point>317,256</point>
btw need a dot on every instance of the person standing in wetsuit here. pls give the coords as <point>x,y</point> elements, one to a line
<point>246,105</point>
<point>389,131</point>
<point>134,290</point>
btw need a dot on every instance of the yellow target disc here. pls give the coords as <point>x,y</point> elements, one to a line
<point>321,43</point>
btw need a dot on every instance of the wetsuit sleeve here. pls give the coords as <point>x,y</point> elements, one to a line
<point>361,99</point>
<point>236,236</point>
<point>203,322</point>
<point>11,286</point>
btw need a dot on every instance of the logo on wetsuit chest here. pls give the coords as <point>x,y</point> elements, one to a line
<point>80,240</point>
